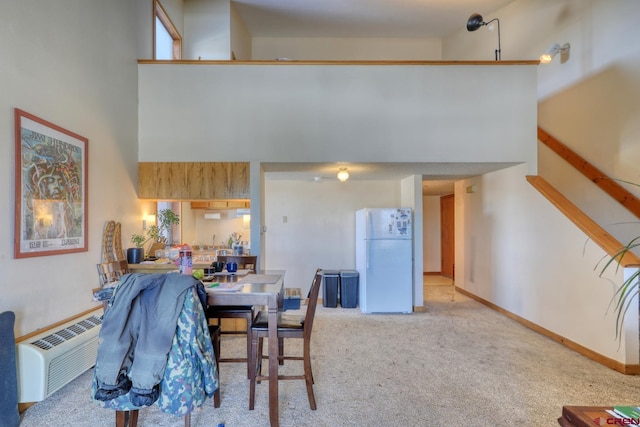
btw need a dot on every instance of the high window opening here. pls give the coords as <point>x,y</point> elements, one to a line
<point>167,42</point>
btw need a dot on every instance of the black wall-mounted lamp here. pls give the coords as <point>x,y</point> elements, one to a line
<point>475,21</point>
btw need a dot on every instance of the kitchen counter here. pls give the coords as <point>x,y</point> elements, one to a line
<point>152,268</point>
<point>161,268</point>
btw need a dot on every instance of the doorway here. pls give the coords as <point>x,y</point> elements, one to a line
<point>447,243</point>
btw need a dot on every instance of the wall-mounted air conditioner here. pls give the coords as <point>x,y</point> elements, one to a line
<point>48,361</point>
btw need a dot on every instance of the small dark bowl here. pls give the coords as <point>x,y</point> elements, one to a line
<point>218,266</point>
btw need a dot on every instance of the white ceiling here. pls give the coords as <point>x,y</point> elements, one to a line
<point>437,178</point>
<point>368,19</point>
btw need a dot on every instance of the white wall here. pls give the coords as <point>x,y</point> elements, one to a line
<point>590,103</point>
<point>411,196</point>
<point>240,37</point>
<point>144,29</point>
<point>601,34</point>
<point>540,266</point>
<point>331,48</point>
<point>207,29</point>
<point>319,231</point>
<point>599,117</point>
<point>298,113</point>
<point>86,84</point>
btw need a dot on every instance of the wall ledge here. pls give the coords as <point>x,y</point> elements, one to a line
<point>373,62</point>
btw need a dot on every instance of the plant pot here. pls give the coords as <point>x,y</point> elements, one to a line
<point>135,255</point>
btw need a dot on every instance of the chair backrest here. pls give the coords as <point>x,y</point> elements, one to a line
<point>118,252</point>
<point>246,262</point>
<point>108,254</point>
<point>313,302</point>
<point>111,271</point>
<point>112,242</point>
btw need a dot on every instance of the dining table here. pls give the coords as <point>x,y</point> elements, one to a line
<point>265,288</point>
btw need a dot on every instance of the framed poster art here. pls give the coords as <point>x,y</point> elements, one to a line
<point>51,188</point>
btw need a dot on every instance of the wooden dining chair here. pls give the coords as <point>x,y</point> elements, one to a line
<point>236,311</point>
<point>108,273</point>
<point>130,418</point>
<point>289,326</point>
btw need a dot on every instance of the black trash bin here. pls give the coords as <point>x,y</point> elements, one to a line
<point>330,288</point>
<point>349,288</point>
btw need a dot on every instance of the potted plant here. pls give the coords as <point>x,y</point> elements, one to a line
<point>630,287</point>
<point>160,233</point>
<point>623,296</point>
<point>136,254</point>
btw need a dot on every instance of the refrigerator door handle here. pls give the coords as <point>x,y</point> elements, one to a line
<point>366,242</point>
<point>367,236</point>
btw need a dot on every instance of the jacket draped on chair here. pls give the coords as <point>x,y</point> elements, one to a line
<point>188,375</point>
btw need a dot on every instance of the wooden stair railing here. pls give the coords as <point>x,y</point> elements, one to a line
<point>607,242</point>
<point>610,186</point>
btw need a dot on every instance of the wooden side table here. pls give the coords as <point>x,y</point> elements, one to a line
<point>584,416</point>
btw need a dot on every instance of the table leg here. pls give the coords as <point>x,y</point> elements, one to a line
<point>273,363</point>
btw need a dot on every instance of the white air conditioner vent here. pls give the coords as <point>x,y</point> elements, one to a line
<point>66,334</point>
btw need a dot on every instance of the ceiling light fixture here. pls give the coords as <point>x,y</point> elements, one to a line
<point>553,50</point>
<point>475,21</point>
<point>343,175</point>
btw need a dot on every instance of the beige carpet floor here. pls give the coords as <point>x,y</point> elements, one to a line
<point>457,364</point>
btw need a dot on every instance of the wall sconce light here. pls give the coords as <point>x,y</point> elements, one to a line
<point>475,21</point>
<point>343,175</point>
<point>148,219</point>
<point>553,50</point>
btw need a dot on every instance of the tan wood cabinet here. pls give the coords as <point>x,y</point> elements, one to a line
<point>221,204</point>
<point>193,180</point>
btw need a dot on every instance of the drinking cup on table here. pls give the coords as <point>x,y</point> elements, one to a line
<point>232,267</point>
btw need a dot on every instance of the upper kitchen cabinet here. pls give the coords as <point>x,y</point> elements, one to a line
<point>193,180</point>
<point>221,204</point>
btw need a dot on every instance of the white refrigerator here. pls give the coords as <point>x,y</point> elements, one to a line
<point>384,260</point>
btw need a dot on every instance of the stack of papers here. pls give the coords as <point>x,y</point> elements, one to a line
<point>224,287</point>
<point>260,279</point>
